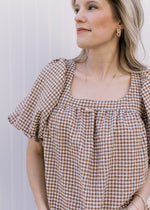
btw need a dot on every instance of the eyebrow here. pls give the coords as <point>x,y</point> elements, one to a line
<point>87,3</point>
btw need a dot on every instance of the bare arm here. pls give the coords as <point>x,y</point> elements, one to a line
<point>36,174</point>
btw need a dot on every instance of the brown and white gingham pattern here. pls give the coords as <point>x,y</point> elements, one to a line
<point>96,153</point>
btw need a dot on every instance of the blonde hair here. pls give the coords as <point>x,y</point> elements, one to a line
<point>130,13</point>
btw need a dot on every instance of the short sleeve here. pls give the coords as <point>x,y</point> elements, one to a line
<point>146,101</point>
<point>32,113</point>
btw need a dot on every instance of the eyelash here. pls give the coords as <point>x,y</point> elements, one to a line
<point>91,6</point>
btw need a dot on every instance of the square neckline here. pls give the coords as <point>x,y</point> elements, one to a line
<point>93,100</point>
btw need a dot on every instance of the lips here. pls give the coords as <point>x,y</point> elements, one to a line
<point>82,29</point>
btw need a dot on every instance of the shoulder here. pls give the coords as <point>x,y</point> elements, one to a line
<point>145,75</point>
<point>59,63</point>
<point>145,80</point>
<point>142,77</point>
<point>53,76</point>
<point>56,67</point>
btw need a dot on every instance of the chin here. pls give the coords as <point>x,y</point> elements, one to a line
<point>83,45</point>
<point>87,44</point>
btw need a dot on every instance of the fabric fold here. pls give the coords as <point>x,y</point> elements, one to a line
<point>32,113</point>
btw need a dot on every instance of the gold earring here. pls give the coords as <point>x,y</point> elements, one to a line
<point>118,32</point>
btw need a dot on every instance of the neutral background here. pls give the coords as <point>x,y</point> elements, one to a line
<point>32,32</point>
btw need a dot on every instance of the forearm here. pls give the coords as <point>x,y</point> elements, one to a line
<point>36,175</point>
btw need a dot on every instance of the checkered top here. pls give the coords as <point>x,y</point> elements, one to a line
<point>96,153</point>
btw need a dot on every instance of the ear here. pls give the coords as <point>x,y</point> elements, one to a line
<point>120,25</point>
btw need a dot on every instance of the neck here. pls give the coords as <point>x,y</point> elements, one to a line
<point>102,63</point>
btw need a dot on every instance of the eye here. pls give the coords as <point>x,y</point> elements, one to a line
<point>76,10</point>
<point>91,7</point>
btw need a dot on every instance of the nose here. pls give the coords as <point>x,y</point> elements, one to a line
<point>80,17</point>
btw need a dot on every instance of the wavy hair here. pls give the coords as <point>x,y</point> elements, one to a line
<point>131,15</point>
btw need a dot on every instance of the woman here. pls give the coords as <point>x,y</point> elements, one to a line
<point>88,119</point>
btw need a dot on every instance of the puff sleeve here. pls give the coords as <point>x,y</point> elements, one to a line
<point>32,113</point>
<point>146,100</point>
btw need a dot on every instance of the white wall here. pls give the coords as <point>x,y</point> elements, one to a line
<point>32,32</point>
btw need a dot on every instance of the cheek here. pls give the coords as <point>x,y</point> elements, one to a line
<point>103,24</point>
<point>99,22</point>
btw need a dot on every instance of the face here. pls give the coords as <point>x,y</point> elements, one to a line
<point>97,18</point>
